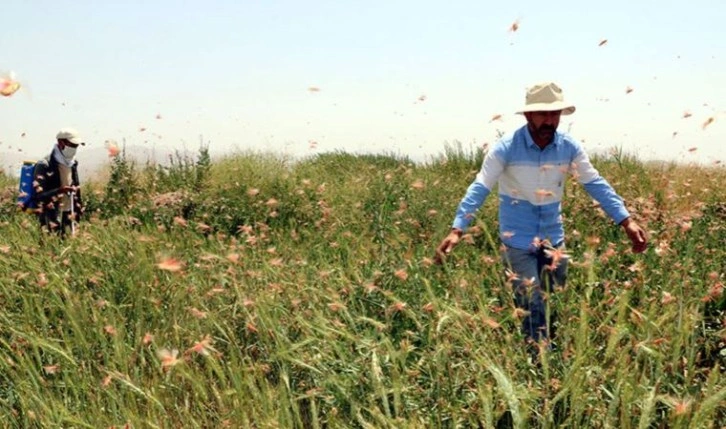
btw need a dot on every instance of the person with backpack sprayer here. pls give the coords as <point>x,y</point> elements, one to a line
<point>56,194</point>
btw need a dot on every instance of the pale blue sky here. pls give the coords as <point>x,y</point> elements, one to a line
<point>238,72</point>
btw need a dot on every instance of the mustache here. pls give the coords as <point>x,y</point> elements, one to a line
<point>546,128</point>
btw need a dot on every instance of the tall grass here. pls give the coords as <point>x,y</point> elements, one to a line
<point>260,292</point>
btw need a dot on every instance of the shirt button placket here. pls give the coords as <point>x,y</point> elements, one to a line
<point>539,187</point>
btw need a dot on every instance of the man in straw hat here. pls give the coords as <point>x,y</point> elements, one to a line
<point>530,166</point>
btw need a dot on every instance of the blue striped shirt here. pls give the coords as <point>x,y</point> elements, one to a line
<point>531,181</point>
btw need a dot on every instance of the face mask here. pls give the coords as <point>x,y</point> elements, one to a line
<point>69,152</point>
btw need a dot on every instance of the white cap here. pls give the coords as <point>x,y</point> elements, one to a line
<point>69,134</point>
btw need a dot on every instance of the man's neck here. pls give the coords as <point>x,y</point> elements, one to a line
<point>541,143</point>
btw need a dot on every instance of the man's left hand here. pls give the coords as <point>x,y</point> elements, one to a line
<point>636,234</point>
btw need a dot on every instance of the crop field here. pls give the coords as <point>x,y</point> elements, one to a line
<point>260,292</point>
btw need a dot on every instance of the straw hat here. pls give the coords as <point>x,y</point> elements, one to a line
<point>546,97</point>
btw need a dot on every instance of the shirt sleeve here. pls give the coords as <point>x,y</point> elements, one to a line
<point>598,188</point>
<point>480,188</point>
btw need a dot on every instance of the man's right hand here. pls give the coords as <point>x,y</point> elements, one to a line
<point>65,189</point>
<point>636,234</point>
<point>447,245</point>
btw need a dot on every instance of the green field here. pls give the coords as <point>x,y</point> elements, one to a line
<point>258,292</point>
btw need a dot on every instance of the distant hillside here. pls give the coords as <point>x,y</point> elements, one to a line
<point>90,160</point>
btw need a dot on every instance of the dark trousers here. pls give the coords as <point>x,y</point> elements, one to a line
<point>534,276</point>
<point>55,221</point>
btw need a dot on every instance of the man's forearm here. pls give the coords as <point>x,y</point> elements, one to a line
<point>609,200</point>
<point>474,198</point>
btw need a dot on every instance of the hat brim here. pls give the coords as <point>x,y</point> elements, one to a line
<point>72,139</point>
<point>567,109</point>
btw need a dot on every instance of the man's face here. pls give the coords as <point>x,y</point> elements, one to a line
<point>543,125</point>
